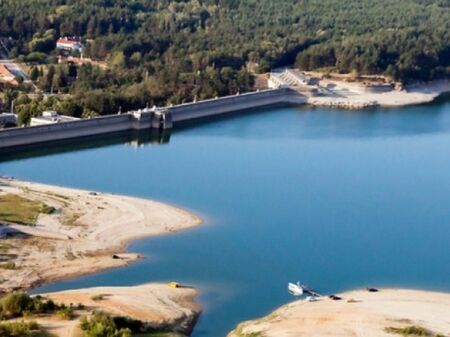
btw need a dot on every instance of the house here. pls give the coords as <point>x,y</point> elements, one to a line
<point>6,75</point>
<point>51,117</point>
<point>69,44</point>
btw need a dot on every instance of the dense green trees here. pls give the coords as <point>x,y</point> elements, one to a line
<point>170,51</point>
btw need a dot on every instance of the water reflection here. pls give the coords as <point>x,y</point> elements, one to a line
<point>134,139</point>
<point>311,123</point>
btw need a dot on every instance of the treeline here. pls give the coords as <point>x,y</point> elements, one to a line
<point>166,51</point>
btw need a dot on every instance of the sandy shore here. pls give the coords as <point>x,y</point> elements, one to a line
<point>158,306</point>
<point>352,95</point>
<point>87,233</point>
<point>367,315</point>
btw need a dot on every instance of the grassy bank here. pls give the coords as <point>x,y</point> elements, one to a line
<point>14,208</point>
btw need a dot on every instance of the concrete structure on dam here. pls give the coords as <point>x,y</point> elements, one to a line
<point>156,118</point>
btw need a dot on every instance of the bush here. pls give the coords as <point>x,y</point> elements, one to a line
<point>21,329</point>
<point>412,330</point>
<point>66,313</point>
<point>8,265</point>
<point>101,324</point>
<point>35,57</point>
<point>19,304</point>
<point>47,209</point>
<point>15,304</point>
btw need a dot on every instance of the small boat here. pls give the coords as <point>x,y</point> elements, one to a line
<point>295,289</point>
<point>298,289</point>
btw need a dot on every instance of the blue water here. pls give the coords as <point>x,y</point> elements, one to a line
<point>336,199</point>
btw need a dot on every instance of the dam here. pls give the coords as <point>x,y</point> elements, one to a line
<point>147,119</point>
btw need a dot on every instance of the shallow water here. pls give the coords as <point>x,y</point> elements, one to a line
<point>336,199</point>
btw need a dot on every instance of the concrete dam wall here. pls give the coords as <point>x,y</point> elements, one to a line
<point>212,107</point>
<point>146,119</point>
<point>66,130</point>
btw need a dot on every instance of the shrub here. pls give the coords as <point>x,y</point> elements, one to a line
<point>47,209</point>
<point>21,329</point>
<point>8,265</point>
<point>66,313</point>
<point>101,324</point>
<point>19,304</point>
<point>15,304</point>
<point>412,330</point>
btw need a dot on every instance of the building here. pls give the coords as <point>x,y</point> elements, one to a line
<point>289,78</point>
<point>6,75</point>
<point>51,117</point>
<point>69,44</point>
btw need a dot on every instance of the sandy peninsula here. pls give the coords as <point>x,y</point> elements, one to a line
<point>87,232</point>
<point>157,306</point>
<point>389,312</point>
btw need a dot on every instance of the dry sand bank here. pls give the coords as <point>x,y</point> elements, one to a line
<point>157,305</point>
<point>351,95</point>
<point>368,316</point>
<point>83,234</point>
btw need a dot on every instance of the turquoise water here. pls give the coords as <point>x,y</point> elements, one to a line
<point>336,199</point>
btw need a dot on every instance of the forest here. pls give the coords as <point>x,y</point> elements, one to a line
<point>166,51</point>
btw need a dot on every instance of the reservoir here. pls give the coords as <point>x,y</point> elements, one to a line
<point>333,198</point>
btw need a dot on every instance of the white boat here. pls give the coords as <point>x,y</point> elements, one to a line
<point>295,289</point>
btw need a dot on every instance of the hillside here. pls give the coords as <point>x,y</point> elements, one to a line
<point>173,51</point>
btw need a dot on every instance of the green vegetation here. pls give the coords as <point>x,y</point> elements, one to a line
<point>14,208</point>
<point>102,325</point>
<point>19,304</point>
<point>171,51</point>
<point>45,209</point>
<point>8,265</point>
<point>66,313</point>
<point>412,331</point>
<point>22,329</point>
<point>238,332</point>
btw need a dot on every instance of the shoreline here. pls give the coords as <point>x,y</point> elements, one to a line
<point>359,312</point>
<point>354,95</point>
<point>157,306</point>
<point>88,232</point>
